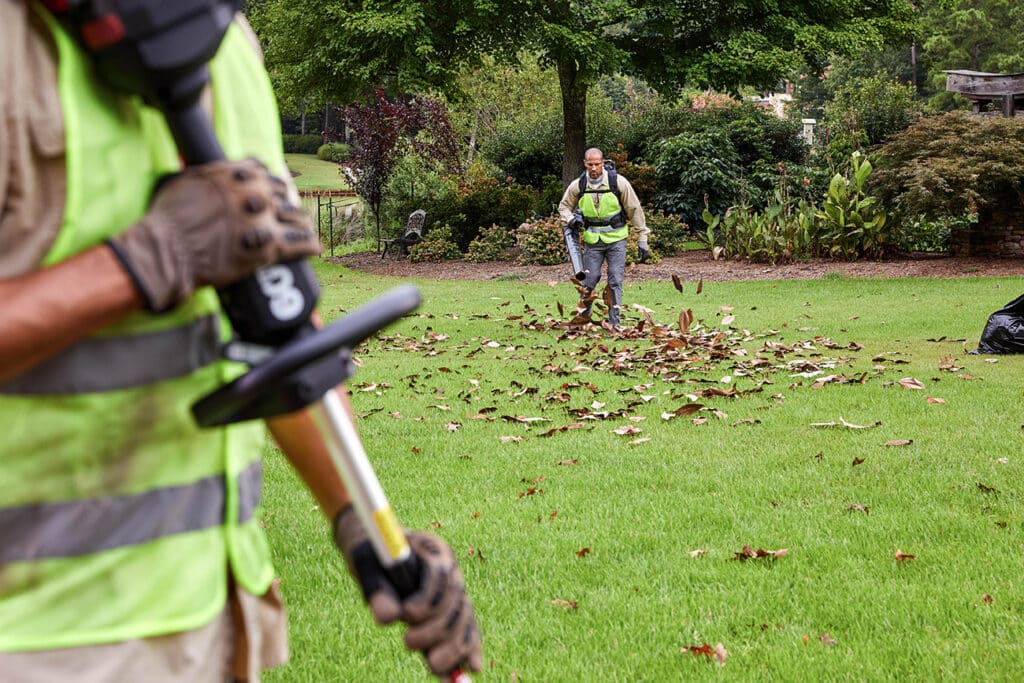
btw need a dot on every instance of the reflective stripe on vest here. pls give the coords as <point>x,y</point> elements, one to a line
<point>122,362</point>
<point>80,527</point>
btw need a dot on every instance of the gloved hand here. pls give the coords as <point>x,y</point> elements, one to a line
<point>644,252</point>
<point>212,225</point>
<point>439,613</point>
<point>576,222</point>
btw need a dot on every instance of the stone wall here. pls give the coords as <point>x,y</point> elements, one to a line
<point>1001,234</point>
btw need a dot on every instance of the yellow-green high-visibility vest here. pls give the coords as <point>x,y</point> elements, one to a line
<point>605,222</point>
<point>119,518</point>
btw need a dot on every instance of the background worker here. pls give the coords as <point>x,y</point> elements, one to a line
<point>604,213</point>
<point>130,545</point>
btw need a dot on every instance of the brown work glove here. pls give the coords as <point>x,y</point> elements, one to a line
<point>439,613</point>
<point>212,225</point>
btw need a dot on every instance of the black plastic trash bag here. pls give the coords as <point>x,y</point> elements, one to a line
<point>1004,331</point>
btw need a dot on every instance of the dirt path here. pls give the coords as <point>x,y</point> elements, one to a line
<point>693,266</point>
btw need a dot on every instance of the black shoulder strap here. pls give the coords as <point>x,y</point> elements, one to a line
<point>613,184</point>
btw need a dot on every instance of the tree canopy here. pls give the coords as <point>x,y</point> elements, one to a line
<point>344,47</point>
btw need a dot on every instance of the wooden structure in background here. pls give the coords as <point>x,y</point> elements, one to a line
<point>983,88</point>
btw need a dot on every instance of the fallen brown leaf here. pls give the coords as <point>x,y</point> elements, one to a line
<point>567,463</point>
<point>987,599</point>
<point>903,557</point>
<point>685,320</point>
<point>677,283</point>
<point>748,553</point>
<point>858,507</point>
<point>583,552</point>
<point>683,410</point>
<point>910,383</point>
<point>559,602</point>
<point>899,442</point>
<point>934,400</point>
<point>718,653</point>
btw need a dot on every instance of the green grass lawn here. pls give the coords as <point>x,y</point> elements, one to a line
<point>314,174</point>
<point>580,548</point>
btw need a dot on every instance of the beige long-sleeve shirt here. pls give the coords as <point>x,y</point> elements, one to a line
<point>630,204</point>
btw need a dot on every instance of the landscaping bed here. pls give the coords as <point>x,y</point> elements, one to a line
<point>693,266</point>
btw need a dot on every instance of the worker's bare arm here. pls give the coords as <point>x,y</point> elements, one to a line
<point>47,310</point>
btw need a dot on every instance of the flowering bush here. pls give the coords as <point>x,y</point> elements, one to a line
<point>669,234</point>
<point>492,244</point>
<point>438,245</point>
<point>541,242</point>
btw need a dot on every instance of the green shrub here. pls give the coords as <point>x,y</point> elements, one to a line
<point>492,244</point>
<point>923,234</point>
<point>697,170</point>
<point>669,234</point>
<point>541,242</point>
<point>528,148</point>
<point>952,166</point>
<point>874,105</point>
<point>550,195</point>
<point>301,144</point>
<point>333,151</point>
<point>647,122</point>
<point>437,245</point>
<point>486,201</point>
<point>416,184</point>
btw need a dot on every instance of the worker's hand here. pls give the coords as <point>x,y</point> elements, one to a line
<point>644,252</point>
<point>576,222</point>
<point>440,615</point>
<point>212,225</point>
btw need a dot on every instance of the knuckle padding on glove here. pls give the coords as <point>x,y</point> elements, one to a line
<point>211,225</point>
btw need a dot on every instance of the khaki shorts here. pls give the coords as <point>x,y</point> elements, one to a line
<point>249,635</point>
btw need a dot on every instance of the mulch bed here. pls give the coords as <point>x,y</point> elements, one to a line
<point>692,266</point>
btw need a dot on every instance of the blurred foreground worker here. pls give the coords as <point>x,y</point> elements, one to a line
<point>603,204</point>
<point>130,548</point>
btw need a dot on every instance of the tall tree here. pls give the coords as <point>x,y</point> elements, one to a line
<point>417,44</point>
<point>981,35</point>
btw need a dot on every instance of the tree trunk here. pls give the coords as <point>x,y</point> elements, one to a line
<point>574,120</point>
<point>472,139</point>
